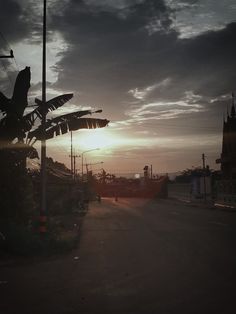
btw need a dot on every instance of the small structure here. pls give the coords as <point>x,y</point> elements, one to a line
<point>146,172</point>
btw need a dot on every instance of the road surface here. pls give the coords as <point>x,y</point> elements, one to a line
<point>135,256</point>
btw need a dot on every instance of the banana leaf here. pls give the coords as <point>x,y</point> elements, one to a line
<point>29,119</point>
<point>70,124</point>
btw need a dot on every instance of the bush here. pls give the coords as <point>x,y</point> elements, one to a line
<point>23,241</point>
<point>16,190</point>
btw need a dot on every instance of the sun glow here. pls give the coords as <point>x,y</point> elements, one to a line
<point>98,138</point>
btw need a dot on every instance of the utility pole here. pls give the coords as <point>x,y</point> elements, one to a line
<point>43,217</point>
<point>87,170</point>
<point>92,164</point>
<point>82,155</point>
<point>10,56</point>
<point>72,169</point>
<point>204,175</point>
<point>73,164</point>
<point>75,156</point>
<point>71,154</point>
<point>72,158</point>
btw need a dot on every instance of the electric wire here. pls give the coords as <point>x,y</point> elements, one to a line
<point>7,45</point>
<point>10,48</point>
<point>6,71</point>
<point>4,39</point>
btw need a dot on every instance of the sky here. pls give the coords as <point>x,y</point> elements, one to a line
<point>162,72</point>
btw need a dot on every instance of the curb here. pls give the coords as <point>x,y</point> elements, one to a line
<point>211,205</point>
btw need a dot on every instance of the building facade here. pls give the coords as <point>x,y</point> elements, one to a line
<point>228,155</point>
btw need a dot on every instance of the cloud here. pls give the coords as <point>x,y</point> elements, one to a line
<point>12,20</point>
<point>155,82</point>
<point>110,55</point>
<point>140,61</point>
<point>142,93</point>
<point>111,59</point>
<point>21,20</point>
<point>193,17</point>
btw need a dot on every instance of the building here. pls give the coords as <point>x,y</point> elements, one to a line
<point>228,155</point>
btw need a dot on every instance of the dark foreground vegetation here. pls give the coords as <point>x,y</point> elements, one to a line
<point>19,215</point>
<point>19,189</point>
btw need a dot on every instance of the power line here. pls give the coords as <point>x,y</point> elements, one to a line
<point>17,67</point>
<point>11,56</point>
<point>4,39</point>
<point>6,71</point>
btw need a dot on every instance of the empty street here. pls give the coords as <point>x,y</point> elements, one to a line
<point>134,256</point>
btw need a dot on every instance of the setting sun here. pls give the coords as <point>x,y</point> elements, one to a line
<point>102,138</point>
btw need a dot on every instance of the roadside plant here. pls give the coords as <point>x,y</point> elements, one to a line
<point>18,133</point>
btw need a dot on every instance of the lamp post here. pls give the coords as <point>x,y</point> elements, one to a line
<point>93,164</point>
<point>43,217</point>
<point>82,157</point>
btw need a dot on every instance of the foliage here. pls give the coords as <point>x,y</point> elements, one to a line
<point>57,166</point>
<point>187,174</point>
<point>15,126</point>
<point>104,178</point>
<point>18,132</point>
<point>23,240</point>
<point>16,188</point>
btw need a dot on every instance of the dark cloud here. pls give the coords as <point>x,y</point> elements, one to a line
<point>11,22</point>
<point>209,59</point>
<point>94,20</point>
<point>122,55</point>
<point>21,20</point>
<point>110,54</point>
<point>17,22</point>
<point>114,49</point>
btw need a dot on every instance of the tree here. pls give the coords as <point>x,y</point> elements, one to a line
<point>104,177</point>
<point>15,126</point>
<point>19,131</point>
<point>187,174</point>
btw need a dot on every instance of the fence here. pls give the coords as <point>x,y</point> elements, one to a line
<point>180,191</point>
<point>225,192</point>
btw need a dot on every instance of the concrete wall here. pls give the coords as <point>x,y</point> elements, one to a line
<point>179,190</point>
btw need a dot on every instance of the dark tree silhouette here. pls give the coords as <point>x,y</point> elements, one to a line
<point>19,131</point>
<point>16,128</point>
<point>104,177</point>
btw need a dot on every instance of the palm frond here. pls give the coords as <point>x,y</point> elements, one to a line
<point>29,119</point>
<point>65,117</point>
<point>52,104</point>
<point>71,124</point>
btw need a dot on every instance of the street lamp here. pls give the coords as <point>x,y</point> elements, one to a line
<point>82,155</point>
<point>93,164</point>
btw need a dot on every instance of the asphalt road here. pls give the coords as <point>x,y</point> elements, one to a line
<point>135,256</point>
